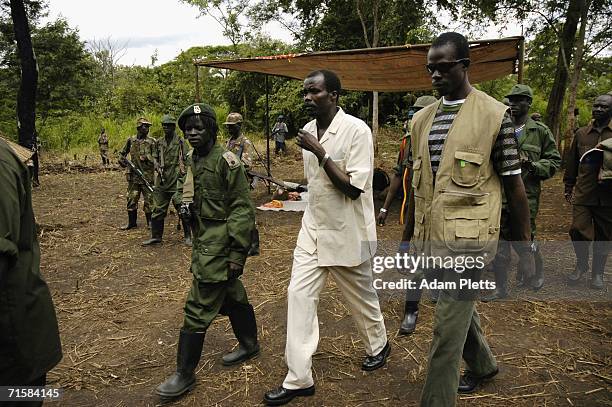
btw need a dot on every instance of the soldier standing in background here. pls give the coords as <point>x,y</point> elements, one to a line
<point>279,132</point>
<point>141,149</point>
<point>592,201</point>
<point>29,337</point>
<point>401,178</point>
<point>103,146</point>
<point>170,168</point>
<point>238,143</point>
<point>539,161</point>
<point>216,191</point>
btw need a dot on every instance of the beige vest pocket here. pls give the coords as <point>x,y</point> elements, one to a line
<point>466,168</point>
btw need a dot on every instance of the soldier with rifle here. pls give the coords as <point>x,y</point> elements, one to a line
<point>169,168</point>
<point>141,149</point>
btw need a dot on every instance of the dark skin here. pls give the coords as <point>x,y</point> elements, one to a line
<point>142,130</point>
<point>202,140</point>
<point>601,113</point>
<point>455,85</point>
<point>234,130</point>
<point>394,186</point>
<point>323,106</point>
<point>169,129</point>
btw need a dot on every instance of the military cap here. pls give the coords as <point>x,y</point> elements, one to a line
<point>142,120</point>
<point>423,101</point>
<point>168,119</point>
<point>520,90</point>
<point>233,118</point>
<point>196,109</point>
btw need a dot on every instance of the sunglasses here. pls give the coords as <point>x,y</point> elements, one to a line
<point>444,67</point>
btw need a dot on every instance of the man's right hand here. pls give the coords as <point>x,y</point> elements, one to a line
<point>569,193</point>
<point>382,216</point>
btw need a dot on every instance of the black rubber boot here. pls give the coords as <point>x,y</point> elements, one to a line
<point>244,325</point>
<point>599,264</point>
<point>132,215</point>
<point>189,351</point>
<point>581,249</point>
<point>187,232</point>
<point>500,270</point>
<point>411,315</point>
<point>148,216</point>
<point>157,232</point>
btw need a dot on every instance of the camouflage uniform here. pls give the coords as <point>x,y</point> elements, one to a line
<point>103,146</point>
<point>142,155</point>
<point>241,146</point>
<point>217,191</point>
<point>171,159</point>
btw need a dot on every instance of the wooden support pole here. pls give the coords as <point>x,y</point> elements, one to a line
<point>197,84</point>
<point>268,130</point>
<point>521,61</point>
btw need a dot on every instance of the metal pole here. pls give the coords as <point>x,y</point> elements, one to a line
<point>268,130</point>
<point>521,61</point>
<point>197,79</point>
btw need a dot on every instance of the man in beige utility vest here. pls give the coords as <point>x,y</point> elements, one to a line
<point>337,238</point>
<point>463,150</point>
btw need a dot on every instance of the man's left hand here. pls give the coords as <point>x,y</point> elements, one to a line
<point>309,142</point>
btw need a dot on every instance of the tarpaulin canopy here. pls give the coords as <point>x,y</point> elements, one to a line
<point>386,69</point>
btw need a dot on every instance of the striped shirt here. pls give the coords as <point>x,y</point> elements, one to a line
<point>505,155</point>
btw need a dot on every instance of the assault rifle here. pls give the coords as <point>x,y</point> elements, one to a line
<point>138,173</point>
<point>289,186</point>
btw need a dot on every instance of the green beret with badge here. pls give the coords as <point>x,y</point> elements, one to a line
<point>196,109</point>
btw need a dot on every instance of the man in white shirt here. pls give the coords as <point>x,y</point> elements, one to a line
<point>338,236</point>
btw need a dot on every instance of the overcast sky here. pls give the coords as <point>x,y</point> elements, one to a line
<point>166,25</point>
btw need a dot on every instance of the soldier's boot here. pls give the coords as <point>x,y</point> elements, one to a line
<point>582,262</point>
<point>148,216</point>
<point>157,231</point>
<point>411,315</point>
<point>187,232</point>
<point>132,215</point>
<point>599,264</point>
<point>188,355</point>
<point>501,283</point>
<point>244,325</point>
<point>537,282</point>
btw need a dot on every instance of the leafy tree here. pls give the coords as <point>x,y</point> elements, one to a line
<point>228,14</point>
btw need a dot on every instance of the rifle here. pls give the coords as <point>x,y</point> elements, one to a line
<point>289,186</point>
<point>138,173</point>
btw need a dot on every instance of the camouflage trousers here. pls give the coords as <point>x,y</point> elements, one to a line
<point>161,202</point>
<point>207,300</point>
<point>133,196</point>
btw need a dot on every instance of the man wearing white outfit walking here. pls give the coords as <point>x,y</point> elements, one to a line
<point>338,236</point>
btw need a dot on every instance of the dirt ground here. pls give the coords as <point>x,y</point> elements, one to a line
<point>120,309</point>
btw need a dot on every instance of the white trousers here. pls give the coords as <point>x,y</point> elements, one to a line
<point>307,281</point>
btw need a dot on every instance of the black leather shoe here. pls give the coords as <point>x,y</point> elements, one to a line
<point>280,395</point>
<point>374,362</point>
<point>468,383</point>
<point>409,323</point>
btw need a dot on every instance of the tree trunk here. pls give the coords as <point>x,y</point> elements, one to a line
<point>26,97</point>
<point>557,93</point>
<point>575,80</point>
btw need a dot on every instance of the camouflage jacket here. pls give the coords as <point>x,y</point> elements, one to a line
<point>142,154</point>
<point>171,160</point>
<point>243,148</point>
